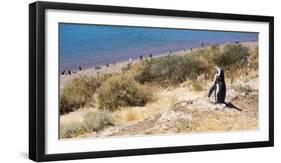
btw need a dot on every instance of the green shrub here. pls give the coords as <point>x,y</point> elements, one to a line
<point>169,70</point>
<point>140,71</point>
<point>78,92</point>
<point>232,57</point>
<point>95,121</point>
<point>122,90</point>
<point>71,130</point>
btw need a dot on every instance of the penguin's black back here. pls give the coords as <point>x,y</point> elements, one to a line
<point>220,97</point>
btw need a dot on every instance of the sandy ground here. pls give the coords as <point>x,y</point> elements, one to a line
<point>116,68</point>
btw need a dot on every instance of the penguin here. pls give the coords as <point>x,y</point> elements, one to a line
<point>80,68</point>
<point>202,44</point>
<point>219,87</point>
<point>63,72</point>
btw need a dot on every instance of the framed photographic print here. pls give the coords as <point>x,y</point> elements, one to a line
<point>111,81</point>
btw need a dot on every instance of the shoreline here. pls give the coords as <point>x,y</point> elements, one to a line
<point>90,60</point>
<point>117,67</point>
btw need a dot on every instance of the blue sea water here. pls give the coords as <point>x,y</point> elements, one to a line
<point>96,45</point>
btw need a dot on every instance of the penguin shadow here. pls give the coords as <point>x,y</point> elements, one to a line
<point>232,106</point>
<point>183,103</point>
<point>228,105</point>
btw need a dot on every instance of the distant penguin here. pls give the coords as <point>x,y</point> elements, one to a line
<point>130,61</point>
<point>218,87</point>
<point>141,57</point>
<point>69,72</point>
<point>150,55</point>
<point>63,72</point>
<point>80,68</point>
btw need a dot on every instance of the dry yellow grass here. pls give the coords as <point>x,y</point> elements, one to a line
<point>77,116</point>
<point>222,120</point>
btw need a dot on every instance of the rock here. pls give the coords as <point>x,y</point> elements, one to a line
<point>167,120</point>
<point>231,94</point>
<point>172,116</point>
<point>252,84</point>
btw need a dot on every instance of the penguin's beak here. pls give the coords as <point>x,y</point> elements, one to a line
<point>217,70</point>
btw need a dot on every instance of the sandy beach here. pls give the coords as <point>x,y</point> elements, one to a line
<point>117,67</point>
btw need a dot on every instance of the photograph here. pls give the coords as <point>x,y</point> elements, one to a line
<point>126,81</point>
<point>112,81</point>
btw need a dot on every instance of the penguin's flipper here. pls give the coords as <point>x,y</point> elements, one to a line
<point>212,89</point>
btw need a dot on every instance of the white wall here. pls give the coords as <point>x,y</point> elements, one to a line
<point>14,79</point>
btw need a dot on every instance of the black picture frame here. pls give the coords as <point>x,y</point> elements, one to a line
<point>37,80</point>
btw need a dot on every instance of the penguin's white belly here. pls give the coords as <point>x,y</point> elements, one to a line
<point>217,89</point>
